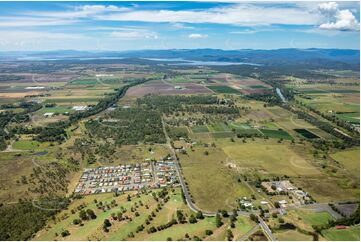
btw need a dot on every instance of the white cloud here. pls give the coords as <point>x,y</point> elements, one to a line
<point>181,26</point>
<point>336,19</point>
<point>197,36</point>
<point>134,34</point>
<point>239,14</point>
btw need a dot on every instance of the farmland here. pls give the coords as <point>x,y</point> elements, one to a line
<point>225,127</point>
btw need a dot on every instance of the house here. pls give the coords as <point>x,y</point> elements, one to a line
<point>47,115</point>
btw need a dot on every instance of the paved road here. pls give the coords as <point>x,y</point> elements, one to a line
<point>266,230</point>
<point>186,193</point>
<point>188,199</point>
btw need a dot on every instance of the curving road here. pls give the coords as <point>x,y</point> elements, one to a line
<point>188,198</point>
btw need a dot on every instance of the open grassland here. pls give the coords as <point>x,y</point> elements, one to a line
<point>272,158</point>
<point>328,189</point>
<point>350,159</point>
<point>349,234</point>
<point>292,235</point>
<point>313,218</point>
<point>212,184</point>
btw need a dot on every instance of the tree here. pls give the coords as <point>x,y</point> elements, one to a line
<point>199,215</point>
<point>83,215</point>
<point>91,214</point>
<point>229,235</point>
<point>192,219</point>
<point>209,232</point>
<point>219,222</point>
<point>129,198</point>
<point>107,222</point>
<point>65,233</point>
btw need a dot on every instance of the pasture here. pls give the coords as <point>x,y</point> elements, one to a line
<point>205,184</point>
<point>270,157</point>
<point>350,234</point>
<point>350,159</point>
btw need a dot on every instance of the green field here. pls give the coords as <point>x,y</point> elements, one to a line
<point>349,234</point>
<point>25,145</point>
<point>200,129</point>
<point>277,159</point>
<point>58,109</point>
<point>350,159</point>
<point>292,235</point>
<point>212,184</point>
<point>352,117</point>
<point>223,89</point>
<point>218,127</point>
<point>73,100</point>
<point>314,218</point>
<point>279,134</point>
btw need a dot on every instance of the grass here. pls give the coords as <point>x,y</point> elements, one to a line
<point>200,129</point>
<point>212,184</point>
<point>119,230</point>
<point>59,109</point>
<point>277,159</point>
<point>292,235</point>
<point>25,145</point>
<point>349,234</point>
<point>350,159</point>
<point>218,127</point>
<point>352,117</point>
<point>223,89</point>
<point>314,218</point>
<point>279,134</point>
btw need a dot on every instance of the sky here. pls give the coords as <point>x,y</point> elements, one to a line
<point>41,26</point>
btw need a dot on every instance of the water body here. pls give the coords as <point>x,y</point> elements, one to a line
<point>184,62</point>
<point>281,95</point>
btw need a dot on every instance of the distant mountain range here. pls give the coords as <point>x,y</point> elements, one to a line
<point>312,58</point>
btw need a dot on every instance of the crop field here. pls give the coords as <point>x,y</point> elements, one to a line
<point>279,134</point>
<point>352,117</point>
<point>223,89</point>
<point>218,127</point>
<point>350,234</point>
<point>57,109</point>
<point>200,129</point>
<point>350,159</point>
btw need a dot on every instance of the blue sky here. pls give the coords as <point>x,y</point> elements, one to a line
<point>167,25</point>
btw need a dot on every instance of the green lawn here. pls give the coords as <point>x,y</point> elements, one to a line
<point>25,145</point>
<point>349,234</point>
